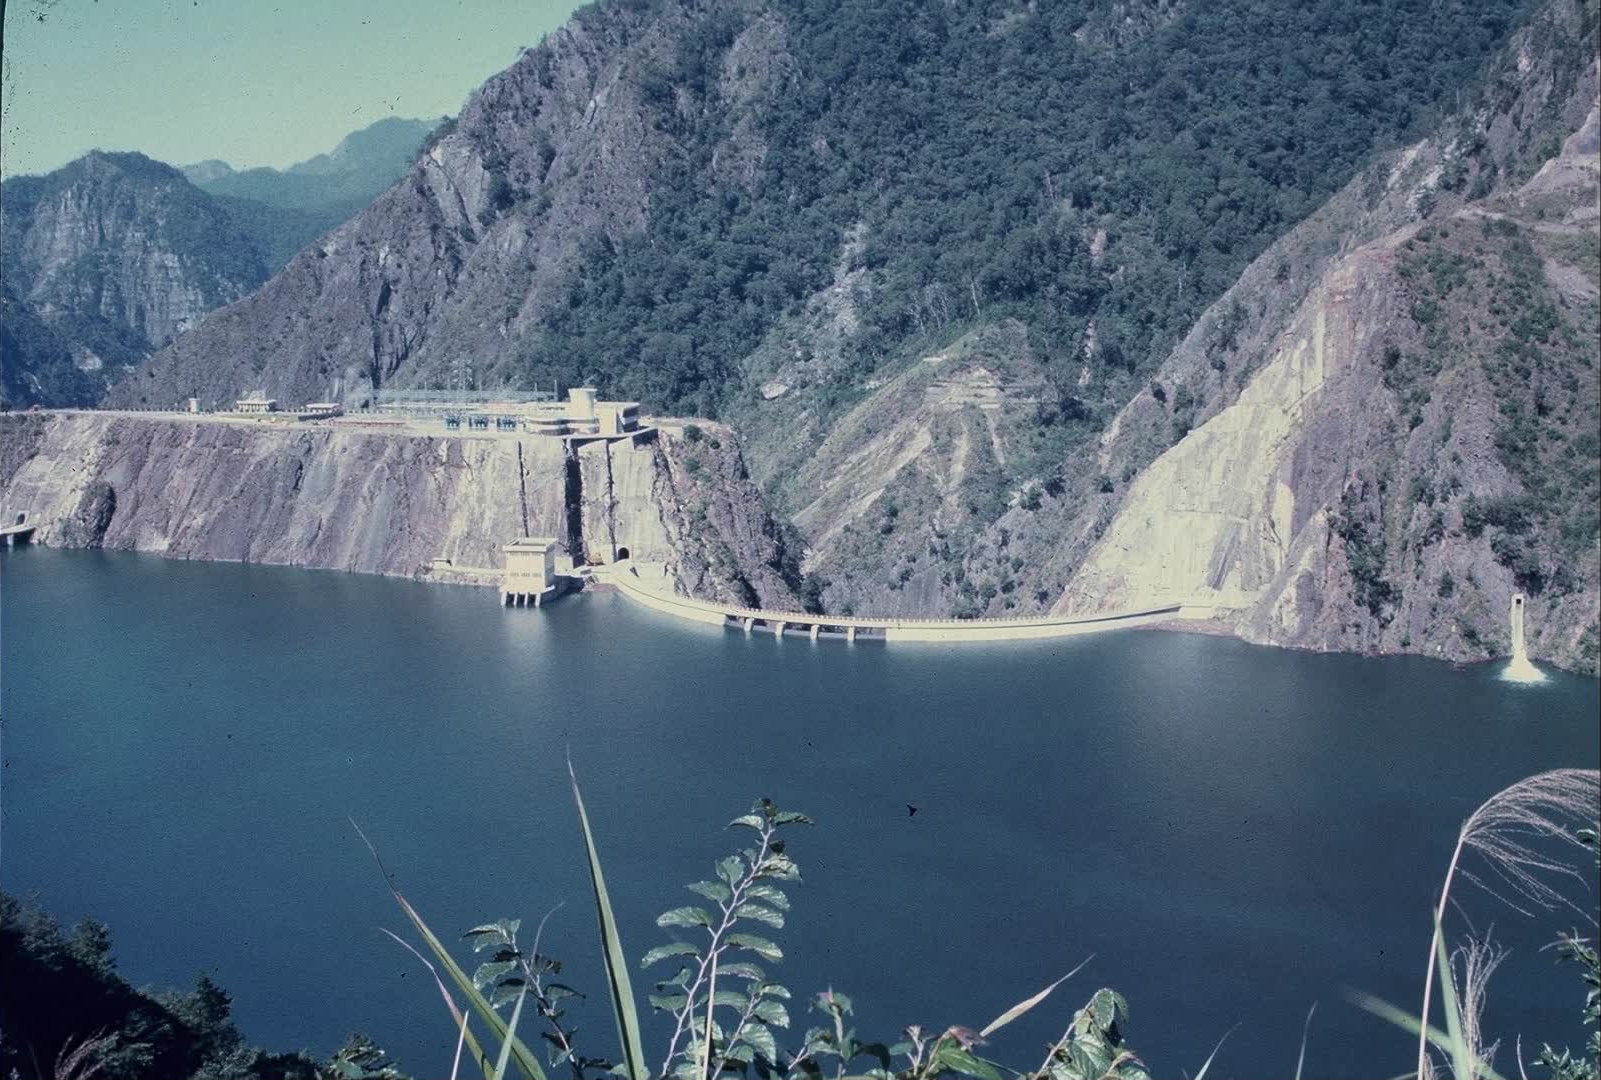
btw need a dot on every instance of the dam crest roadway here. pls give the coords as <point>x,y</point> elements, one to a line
<point>650,587</point>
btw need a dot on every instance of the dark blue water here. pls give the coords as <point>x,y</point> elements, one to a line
<point>1234,832</point>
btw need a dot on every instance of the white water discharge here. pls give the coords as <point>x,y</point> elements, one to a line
<point>1520,669</point>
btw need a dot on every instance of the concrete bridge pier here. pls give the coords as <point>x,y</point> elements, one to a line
<point>815,628</point>
<point>778,630</point>
<point>850,635</point>
<point>749,623</point>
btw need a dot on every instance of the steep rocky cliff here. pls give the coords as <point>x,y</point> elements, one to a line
<point>657,189</point>
<point>1020,308</point>
<point>958,483</point>
<point>551,153</point>
<point>105,261</point>
<point>378,502</point>
<point>1418,438</point>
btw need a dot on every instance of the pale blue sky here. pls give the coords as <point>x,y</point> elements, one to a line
<point>253,82</point>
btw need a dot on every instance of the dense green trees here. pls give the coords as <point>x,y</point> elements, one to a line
<point>987,147</point>
<point>62,989</point>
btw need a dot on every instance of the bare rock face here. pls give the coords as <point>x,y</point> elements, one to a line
<point>108,259</point>
<point>87,525</point>
<point>1418,446</point>
<point>451,263</point>
<point>383,503</point>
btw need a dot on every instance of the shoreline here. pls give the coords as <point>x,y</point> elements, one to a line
<point>1205,626</point>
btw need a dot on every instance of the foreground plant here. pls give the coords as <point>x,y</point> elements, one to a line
<point>1522,834</point>
<point>728,1015</point>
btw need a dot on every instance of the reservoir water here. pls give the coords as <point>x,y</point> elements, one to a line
<point>1234,832</point>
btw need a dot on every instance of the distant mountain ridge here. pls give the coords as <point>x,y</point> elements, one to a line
<point>105,260</point>
<point>346,178</point>
<point>111,256</point>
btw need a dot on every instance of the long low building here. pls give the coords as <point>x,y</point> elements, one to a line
<point>582,415</point>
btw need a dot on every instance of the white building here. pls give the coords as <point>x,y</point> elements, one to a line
<point>530,575</point>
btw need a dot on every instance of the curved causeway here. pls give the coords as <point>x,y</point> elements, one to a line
<point>639,589</point>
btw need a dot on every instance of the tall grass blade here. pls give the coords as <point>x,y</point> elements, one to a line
<point>1463,1059</point>
<point>1306,1030</point>
<point>456,1012</point>
<point>527,1062</point>
<point>461,1040</point>
<point>1024,1006</point>
<point>1509,830</point>
<point>1404,1020</point>
<point>511,1035</point>
<point>1208,1063</point>
<point>622,990</point>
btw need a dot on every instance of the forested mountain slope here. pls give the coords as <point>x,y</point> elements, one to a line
<point>653,191</point>
<point>960,273</point>
<point>1421,444</point>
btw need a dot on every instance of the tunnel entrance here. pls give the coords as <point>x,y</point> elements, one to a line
<point>622,553</point>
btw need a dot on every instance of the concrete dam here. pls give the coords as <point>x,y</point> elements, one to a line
<point>672,523</point>
<point>339,496</point>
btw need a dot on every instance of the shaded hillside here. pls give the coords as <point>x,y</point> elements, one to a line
<point>110,257</point>
<point>284,210</point>
<point>106,260</point>
<point>62,993</point>
<point>656,189</point>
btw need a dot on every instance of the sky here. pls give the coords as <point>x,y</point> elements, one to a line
<point>252,82</point>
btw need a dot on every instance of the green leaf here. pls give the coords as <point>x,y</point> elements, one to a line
<point>731,998</point>
<point>772,1012</point>
<point>760,914</point>
<point>731,869</point>
<point>831,1001</point>
<point>954,1058</point>
<point>491,972</point>
<point>775,990</point>
<point>779,867</point>
<point>668,1002</point>
<point>511,1029</point>
<point>789,817</point>
<point>768,893</point>
<point>526,1060</point>
<point>712,890</point>
<point>740,970</point>
<point>684,916</point>
<point>1108,1008</point>
<point>761,1039</point>
<point>758,945</point>
<point>499,932</point>
<point>1090,1057</point>
<point>557,991</point>
<point>749,821</point>
<point>1463,1059</point>
<point>622,991</point>
<point>672,948</point>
